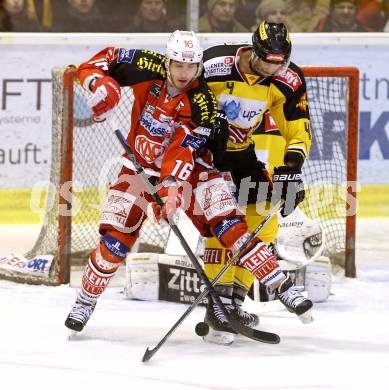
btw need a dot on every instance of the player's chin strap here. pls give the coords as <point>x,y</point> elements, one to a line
<point>254,334</point>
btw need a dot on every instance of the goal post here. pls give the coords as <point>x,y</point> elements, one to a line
<point>86,157</point>
<point>341,92</point>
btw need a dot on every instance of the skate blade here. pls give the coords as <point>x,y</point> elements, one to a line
<point>306,317</point>
<point>72,335</point>
<point>219,337</point>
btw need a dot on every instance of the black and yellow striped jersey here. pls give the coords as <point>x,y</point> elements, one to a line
<point>245,98</point>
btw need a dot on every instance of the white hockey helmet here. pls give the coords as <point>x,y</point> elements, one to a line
<point>184,46</point>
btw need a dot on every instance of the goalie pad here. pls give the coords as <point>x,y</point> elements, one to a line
<point>315,279</point>
<point>153,276</point>
<point>300,240</point>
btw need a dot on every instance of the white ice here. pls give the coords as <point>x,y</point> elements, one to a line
<point>346,347</point>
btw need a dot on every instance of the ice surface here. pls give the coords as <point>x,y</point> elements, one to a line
<point>347,347</point>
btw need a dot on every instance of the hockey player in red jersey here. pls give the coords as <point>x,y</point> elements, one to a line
<point>173,115</point>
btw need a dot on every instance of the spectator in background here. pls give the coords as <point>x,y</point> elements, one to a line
<point>342,18</point>
<point>78,16</point>
<point>152,16</point>
<point>21,16</point>
<point>5,24</point>
<point>274,11</point>
<point>372,14</point>
<point>221,17</point>
<point>304,15</point>
<point>43,10</point>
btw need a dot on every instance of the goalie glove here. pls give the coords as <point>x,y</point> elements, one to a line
<point>288,185</point>
<point>106,96</point>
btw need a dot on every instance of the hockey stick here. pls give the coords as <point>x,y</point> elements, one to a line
<point>235,324</point>
<point>271,336</point>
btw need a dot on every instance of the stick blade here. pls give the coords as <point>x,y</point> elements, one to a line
<point>149,353</point>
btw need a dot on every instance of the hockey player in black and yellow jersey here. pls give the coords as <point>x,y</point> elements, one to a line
<point>259,90</point>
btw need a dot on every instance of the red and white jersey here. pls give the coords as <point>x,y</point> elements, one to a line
<point>167,133</point>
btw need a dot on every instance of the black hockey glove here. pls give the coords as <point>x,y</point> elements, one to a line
<point>288,185</point>
<point>217,141</point>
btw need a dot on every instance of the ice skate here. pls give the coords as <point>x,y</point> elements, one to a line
<point>79,316</point>
<point>246,318</point>
<point>220,331</point>
<point>294,301</point>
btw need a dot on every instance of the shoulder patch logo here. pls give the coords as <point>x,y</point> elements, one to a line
<point>202,131</point>
<point>126,55</point>
<point>289,78</point>
<point>218,66</point>
<point>303,103</point>
<point>192,141</point>
<point>155,90</point>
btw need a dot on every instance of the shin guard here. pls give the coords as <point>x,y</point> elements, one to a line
<point>104,261</point>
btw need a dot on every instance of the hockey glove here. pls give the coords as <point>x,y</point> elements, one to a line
<point>106,96</point>
<point>172,200</point>
<point>218,138</point>
<point>288,185</point>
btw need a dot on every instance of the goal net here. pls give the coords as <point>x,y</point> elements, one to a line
<point>86,157</point>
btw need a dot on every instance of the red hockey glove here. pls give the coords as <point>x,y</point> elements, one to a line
<point>172,200</point>
<point>106,95</point>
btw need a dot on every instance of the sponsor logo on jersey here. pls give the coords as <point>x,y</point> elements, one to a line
<point>152,125</point>
<point>149,108</point>
<point>250,114</point>
<point>145,63</point>
<point>148,149</point>
<point>179,105</point>
<point>192,141</point>
<point>229,60</point>
<point>218,66</point>
<point>290,78</point>
<point>202,102</point>
<point>126,55</point>
<point>202,130</point>
<point>270,123</point>
<point>242,113</point>
<point>165,118</point>
<point>155,90</point>
<point>303,103</point>
<point>231,109</point>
